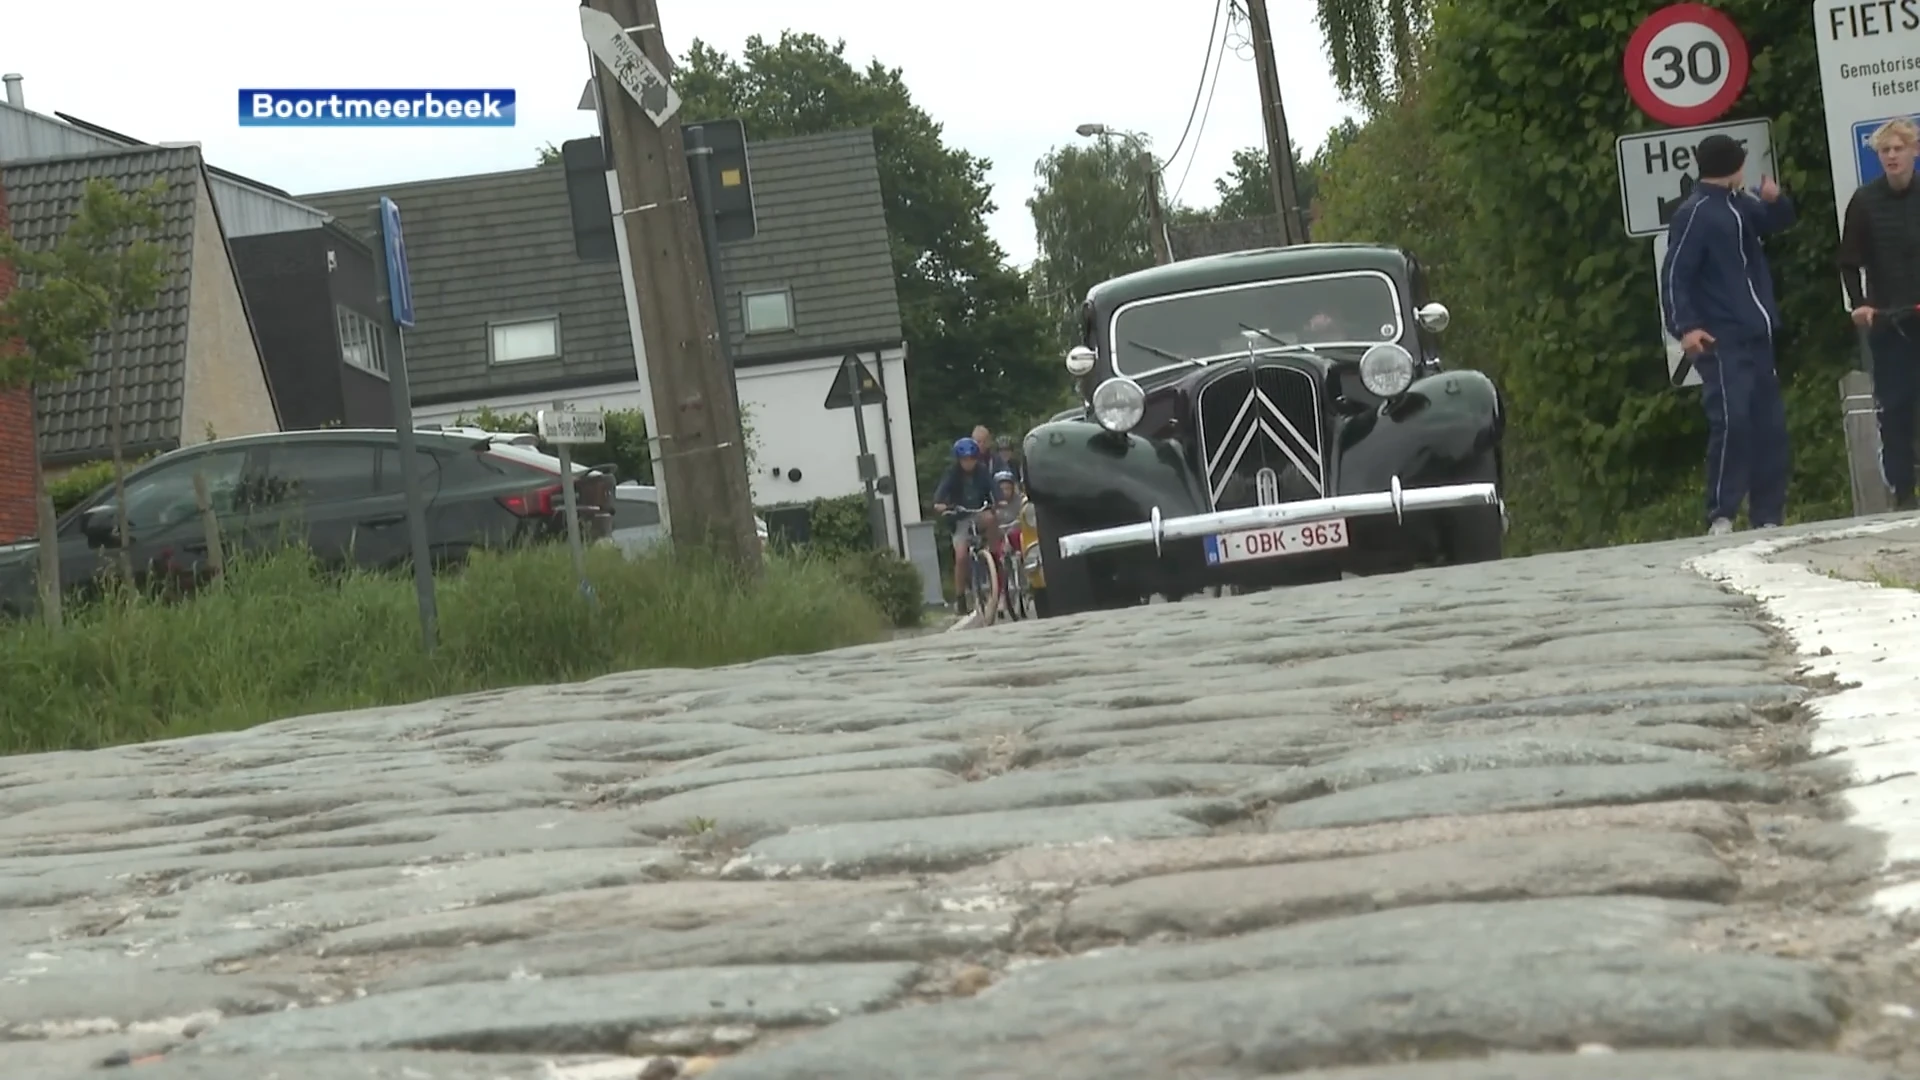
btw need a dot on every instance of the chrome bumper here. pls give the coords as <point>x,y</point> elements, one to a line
<point>1397,501</point>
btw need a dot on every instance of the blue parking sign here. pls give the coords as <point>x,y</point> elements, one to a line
<point>399,283</point>
<point>1866,159</point>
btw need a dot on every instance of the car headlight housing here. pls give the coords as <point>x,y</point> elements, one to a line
<point>1386,370</point>
<point>1119,403</point>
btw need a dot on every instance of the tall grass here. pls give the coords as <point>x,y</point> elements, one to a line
<point>282,639</point>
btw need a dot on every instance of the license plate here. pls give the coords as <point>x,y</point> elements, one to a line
<point>1277,541</point>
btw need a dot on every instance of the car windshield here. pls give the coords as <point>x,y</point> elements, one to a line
<point>1357,309</point>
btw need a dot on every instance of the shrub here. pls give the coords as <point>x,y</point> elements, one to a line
<point>892,583</point>
<point>839,525</point>
<point>282,639</point>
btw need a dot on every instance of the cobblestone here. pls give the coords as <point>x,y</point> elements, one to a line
<point>1546,819</point>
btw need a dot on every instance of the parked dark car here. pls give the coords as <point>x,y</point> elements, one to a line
<point>1263,418</point>
<point>340,491</point>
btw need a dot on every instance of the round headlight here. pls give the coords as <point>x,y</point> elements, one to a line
<point>1386,370</point>
<point>1119,403</point>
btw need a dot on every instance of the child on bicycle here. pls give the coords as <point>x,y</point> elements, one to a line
<point>965,490</point>
<point>1009,505</point>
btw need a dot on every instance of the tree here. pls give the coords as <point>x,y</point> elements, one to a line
<point>1090,218</point>
<point>978,345</point>
<point>69,294</point>
<point>1374,45</point>
<point>1247,192</point>
<point>549,154</point>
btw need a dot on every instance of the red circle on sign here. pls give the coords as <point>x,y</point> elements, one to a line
<point>1733,49</point>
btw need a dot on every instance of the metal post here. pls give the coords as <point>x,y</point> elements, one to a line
<point>700,161</point>
<point>410,482</point>
<point>572,505</point>
<point>875,522</point>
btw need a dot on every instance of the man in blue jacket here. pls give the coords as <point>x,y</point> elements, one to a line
<point>1719,303</point>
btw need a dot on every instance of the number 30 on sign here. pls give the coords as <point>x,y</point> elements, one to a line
<point>1686,65</point>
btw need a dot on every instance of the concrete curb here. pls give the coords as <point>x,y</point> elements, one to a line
<point>965,622</point>
<point>1861,635</point>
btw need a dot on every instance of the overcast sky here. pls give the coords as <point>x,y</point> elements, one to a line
<point>1007,78</point>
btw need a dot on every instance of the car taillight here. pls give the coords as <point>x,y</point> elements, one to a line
<point>533,504</point>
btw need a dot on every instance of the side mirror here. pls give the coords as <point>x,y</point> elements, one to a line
<point>1080,361</point>
<point>1434,317</point>
<point>98,525</point>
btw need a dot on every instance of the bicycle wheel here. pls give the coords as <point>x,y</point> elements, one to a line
<point>1013,585</point>
<point>986,591</point>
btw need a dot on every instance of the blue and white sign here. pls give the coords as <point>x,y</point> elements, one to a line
<point>399,284</point>
<point>1867,158</point>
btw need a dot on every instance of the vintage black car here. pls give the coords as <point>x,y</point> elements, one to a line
<point>1261,418</point>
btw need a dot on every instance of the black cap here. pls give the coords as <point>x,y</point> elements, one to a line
<point>1719,157</point>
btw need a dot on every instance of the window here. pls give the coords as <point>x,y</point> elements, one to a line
<point>388,480</point>
<point>362,341</point>
<point>526,339</point>
<point>164,497</point>
<point>767,311</point>
<point>309,473</point>
<point>1350,310</point>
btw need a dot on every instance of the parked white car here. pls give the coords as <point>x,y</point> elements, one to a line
<point>636,519</point>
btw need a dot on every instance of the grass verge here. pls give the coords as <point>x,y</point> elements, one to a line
<point>283,640</point>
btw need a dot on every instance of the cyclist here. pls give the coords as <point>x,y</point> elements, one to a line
<point>967,485</point>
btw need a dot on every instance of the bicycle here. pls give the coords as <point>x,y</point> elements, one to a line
<point>1015,596</point>
<point>985,584</point>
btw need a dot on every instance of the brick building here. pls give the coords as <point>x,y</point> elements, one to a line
<point>16,436</point>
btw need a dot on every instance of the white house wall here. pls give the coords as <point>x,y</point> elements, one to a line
<point>792,428</point>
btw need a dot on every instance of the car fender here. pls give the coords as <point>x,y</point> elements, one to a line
<point>1434,433</point>
<point>1097,477</point>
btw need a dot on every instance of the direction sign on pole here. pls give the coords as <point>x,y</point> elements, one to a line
<point>572,427</point>
<point>608,41</point>
<point>1680,371</point>
<point>1657,169</point>
<point>399,283</point>
<point>1686,64</point>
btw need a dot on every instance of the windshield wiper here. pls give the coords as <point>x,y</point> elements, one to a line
<point>1164,354</point>
<point>1283,343</point>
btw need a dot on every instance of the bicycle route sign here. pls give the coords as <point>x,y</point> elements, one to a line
<point>1686,64</point>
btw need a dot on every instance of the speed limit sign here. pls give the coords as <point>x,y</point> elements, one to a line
<point>1686,64</point>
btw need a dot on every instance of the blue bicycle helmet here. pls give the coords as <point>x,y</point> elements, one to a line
<point>966,447</point>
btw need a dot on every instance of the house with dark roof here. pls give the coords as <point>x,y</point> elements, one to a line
<point>307,283</point>
<point>519,302</point>
<point>190,366</point>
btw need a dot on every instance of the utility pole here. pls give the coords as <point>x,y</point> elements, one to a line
<point>1157,237</point>
<point>693,393</point>
<point>1286,200</point>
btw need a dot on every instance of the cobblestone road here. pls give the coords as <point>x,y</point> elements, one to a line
<point>1554,810</point>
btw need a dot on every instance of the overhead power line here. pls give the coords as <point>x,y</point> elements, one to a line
<point>1206,61</point>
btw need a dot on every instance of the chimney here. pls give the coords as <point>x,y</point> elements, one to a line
<point>15,97</point>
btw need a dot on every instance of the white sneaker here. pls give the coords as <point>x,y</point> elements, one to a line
<point>1720,527</point>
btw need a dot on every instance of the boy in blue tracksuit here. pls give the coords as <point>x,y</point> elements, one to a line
<point>1719,304</point>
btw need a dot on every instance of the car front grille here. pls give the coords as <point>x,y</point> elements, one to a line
<point>1260,436</point>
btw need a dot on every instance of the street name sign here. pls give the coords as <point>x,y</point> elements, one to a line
<point>1657,169</point>
<point>1680,371</point>
<point>1686,64</point>
<point>571,427</point>
<point>636,74</point>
